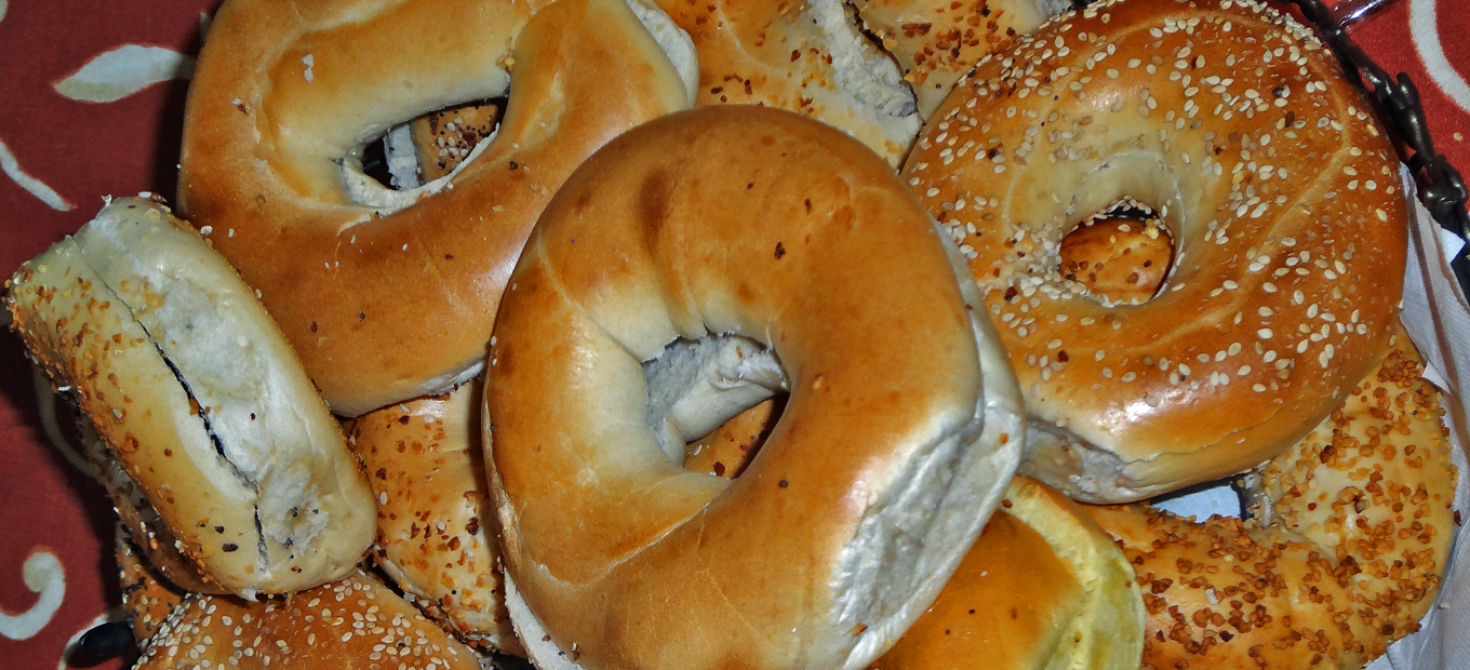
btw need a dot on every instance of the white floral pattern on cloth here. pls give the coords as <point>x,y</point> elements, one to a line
<point>11,168</point>
<point>1427,40</point>
<point>121,72</point>
<point>43,574</point>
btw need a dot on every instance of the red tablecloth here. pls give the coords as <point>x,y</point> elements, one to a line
<point>91,102</point>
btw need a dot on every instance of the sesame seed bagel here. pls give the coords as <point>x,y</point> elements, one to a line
<point>354,624</point>
<point>1354,525</point>
<point>147,598</point>
<point>200,400</point>
<point>1280,194</point>
<point>435,529</point>
<point>895,444</point>
<point>389,295</point>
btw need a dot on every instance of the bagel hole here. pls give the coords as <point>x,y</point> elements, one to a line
<point>1119,255</point>
<point>728,449</point>
<point>713,401</point>
<point>432,145</point>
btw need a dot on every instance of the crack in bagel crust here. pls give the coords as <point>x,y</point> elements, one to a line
<point>1279,191</point>
<point>880,472</point>
<point>264,145</point>
<point>199,400</point>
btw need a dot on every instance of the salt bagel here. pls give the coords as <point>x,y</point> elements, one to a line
<point>895,444</point>
<point>388,295</point>
<point>1346,552</point>
<point>1280,194</point>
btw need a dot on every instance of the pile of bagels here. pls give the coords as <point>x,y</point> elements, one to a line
<point>759,334</point>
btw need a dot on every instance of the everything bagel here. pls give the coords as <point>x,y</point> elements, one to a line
<point>435,537</point>
<point>286,96</point>
<point>217,442</point>
<point>1279,192</point>
<point>895,444</point>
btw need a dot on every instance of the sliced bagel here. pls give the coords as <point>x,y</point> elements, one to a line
<point>199,398</point>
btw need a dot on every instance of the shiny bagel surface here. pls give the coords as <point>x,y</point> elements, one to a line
<point>1281,195</point>
<point>893,447</point>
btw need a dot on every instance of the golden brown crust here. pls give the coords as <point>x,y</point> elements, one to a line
<point>436,535</point>
<point>1117,260</point>
<point>722,220</point>
<point>1282,196</point>
<point>726,451</point>
<point>355,624</point>
<point>1353,557</point>
<point>265,144</point>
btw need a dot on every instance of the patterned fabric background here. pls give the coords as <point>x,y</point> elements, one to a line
<point>91,104</point>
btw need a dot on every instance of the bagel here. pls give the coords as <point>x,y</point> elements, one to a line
<point>1117,259</point>
<point>199,398</point>
<point>1278,190</point>
<point>351,270</point>
<point>145,530</point>
<point>147,598</point>
<point>896,442</point>
<point>1043,587</point>
<point>445,138</point>
<point>435,528</point>
<point>354,624</point>
<point>1347,551</point>
<point>807,57</point>
<point>936,43</point>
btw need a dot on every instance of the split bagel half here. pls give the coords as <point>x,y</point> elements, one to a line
<point>200,399</point>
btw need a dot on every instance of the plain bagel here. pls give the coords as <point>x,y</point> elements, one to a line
<point>389,295</point>
<point>1279,191</point>
<point>895,444</point>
